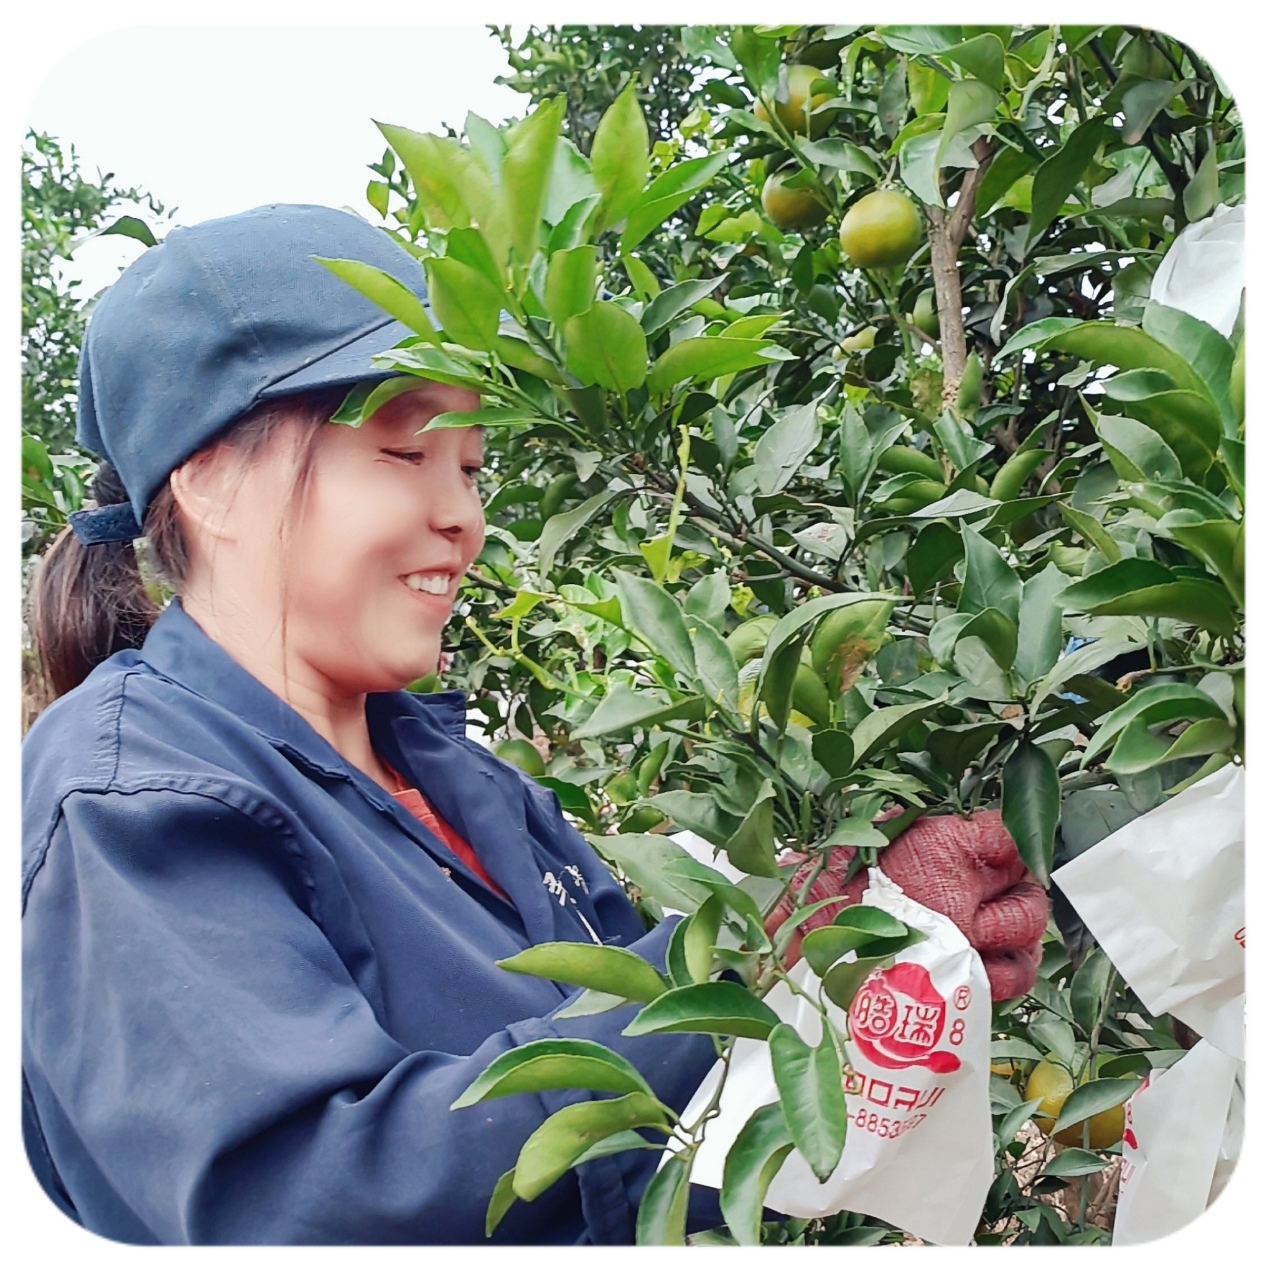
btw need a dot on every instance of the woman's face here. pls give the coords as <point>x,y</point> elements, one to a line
<point>387,525</point>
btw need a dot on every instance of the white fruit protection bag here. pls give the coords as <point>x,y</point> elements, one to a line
<point>919,1150</point>
<point>1164,897</point>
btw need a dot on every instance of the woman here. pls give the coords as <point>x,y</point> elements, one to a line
<point>264,889</point>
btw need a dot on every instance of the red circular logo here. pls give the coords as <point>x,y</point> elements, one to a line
<point>898,1018</point>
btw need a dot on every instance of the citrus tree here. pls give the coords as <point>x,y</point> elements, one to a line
<point>844,471</point>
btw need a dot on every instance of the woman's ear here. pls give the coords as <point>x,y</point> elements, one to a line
<point>203,489</point>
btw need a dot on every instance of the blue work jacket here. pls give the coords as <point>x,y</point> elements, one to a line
<point>253,983</point>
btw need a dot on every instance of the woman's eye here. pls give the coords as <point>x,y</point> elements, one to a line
<point>409,455</point>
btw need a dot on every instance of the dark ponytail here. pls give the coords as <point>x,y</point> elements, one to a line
<point>86,603</point>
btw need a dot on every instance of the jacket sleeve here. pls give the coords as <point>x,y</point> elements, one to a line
<point>222,1072</point>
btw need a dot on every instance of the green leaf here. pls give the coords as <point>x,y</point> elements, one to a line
<point>666,193</point>
<point>985,679</point>
<point>1201,346</point>
<point>811,1090</point>
<point>697,812</point>
<point>614,1144</point>
<point>1186,422</point>
<point>1088,658</point>
<point>624,709</point>
<point>553,1064</point>
<point>983,56</point>
<point>751,848</point>
<point>1125,346</point>
<point>571,283</point>
<point>526,173</point>
<point>703,359</point>
<point>132,227</point>
<point>1136,451</point>
<point>566,525</point>
<point>553,1147</point>
<point>833,750</point>
<point>504,1196</point>
<point>1031,798</point>
<point>1012,1048</point>
<point>366,398</point>
<point>651,863</point>
<point>1092,1098</point>
<point>1040,624</point>
<point>396,299</point>
<point>997,631</point>
<point>653,615</point>
<point>465,302</point>
<point>589,1003</point>
<point>1154,704</point>
<point>786,446</point>
<point>843,981</point>
<point>989,580</point>
<point>620,157</point>
<point>453,186</point>
<point>708,598</point>
<point>466,244</point>
<point>839,153</point>
<point>1148,589</point>
<point>1088,987</point>
<point>1139,750</point>
<point>1073,1162</point>
<point>674,301</point>
<point>1216,542</point>
<point>721,1008</point>
<point>969,103</point>
<point>859,832</point>
<point>717,670</point>
<point>932,555</point>
<point>886,724</point>
<point>586,964</point>
<point>918,164</point>
<point>660,1220</point>
<point>1091,531</point>
<point>822,947</point>
<point>605,346</point>
<point>955,749</point>
<point>752,1162</point>
<point>643,281</point>
<point>1142,103</point>
<point>486,142</point>
<point>1057,176</point>
<point>700,933</point>
<point>778,679</point>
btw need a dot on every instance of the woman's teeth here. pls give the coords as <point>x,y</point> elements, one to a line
<point>434,584</point>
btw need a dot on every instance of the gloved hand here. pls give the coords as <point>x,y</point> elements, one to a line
<point>966,868</point>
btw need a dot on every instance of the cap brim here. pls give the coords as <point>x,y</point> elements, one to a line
<point>349,364</point>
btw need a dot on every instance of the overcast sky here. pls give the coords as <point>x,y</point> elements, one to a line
<point>215,120</point>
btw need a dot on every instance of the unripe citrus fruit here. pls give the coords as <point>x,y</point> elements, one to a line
<point>748,640</point>
<point>792,208</point>
<point>809,696</point>
<point>923,315</point>
<point>1051,1082</point>
<point>863,340</point>
<point>881,230</point>
<point>791,112</point>
<point>524,755</point>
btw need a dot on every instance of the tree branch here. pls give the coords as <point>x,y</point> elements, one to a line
<point>946,234</point>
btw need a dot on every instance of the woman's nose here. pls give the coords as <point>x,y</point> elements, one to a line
<point>456,510</point>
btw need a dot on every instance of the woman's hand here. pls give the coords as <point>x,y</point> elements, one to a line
<point>966,868</point>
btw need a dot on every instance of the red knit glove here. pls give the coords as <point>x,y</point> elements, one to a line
<point>966,868</point>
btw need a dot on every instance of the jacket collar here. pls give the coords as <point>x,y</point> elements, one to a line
<point>177,648</point>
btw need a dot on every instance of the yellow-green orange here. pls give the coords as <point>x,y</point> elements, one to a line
<point>809,696</point>
<point>845,641</point>
<point>791,207</point>
<point>923,315</point>
<point>749,640</point>
<point>791,112</point>
<point>881,230</point>
<point>1051,1082</point>
<point>524,755</point>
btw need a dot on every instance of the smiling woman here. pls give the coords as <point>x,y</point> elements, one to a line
<point>265,889</point>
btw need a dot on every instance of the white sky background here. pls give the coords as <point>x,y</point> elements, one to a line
<point>216,120</point>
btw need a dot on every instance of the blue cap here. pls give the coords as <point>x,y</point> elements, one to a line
<point>216,320</point>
